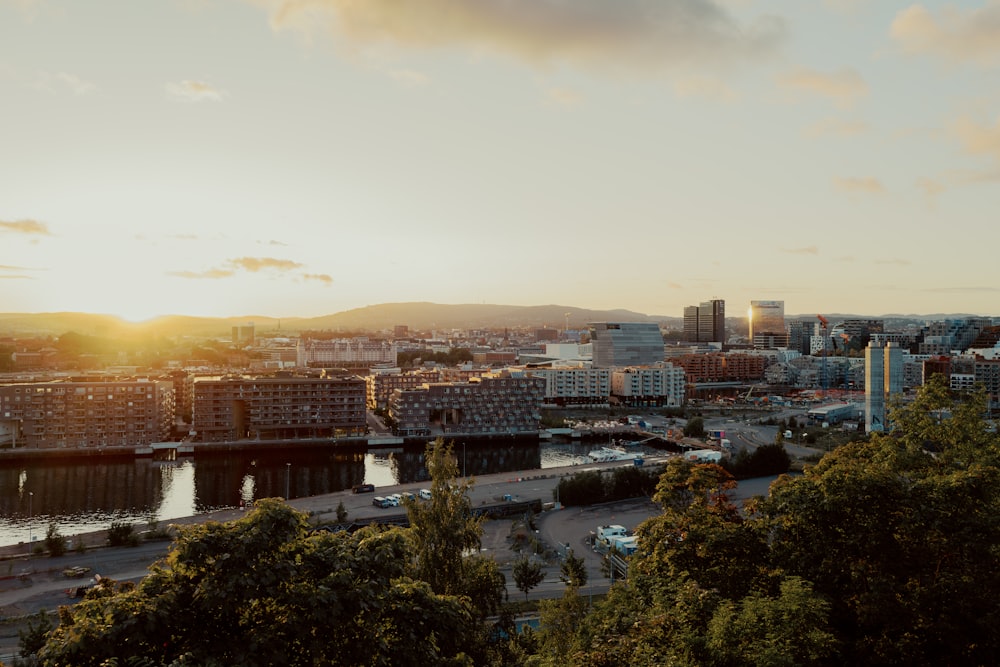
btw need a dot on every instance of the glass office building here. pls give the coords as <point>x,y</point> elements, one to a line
<point>626,344</point>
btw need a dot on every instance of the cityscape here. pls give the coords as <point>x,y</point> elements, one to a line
<point>499,333</point>
<point>280,387</point>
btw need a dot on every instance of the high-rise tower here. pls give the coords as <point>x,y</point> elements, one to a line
<point>767,324</point>
<point>883,379</point>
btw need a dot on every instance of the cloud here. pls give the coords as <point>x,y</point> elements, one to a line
<point>675,286</point>
<point>76,84</point>
<point>981,289</point>
<point>273,242</point>
<point>843,86</point>
<point>183,237</point>
<point>582,32</point>
<point>194,91</point>
<point>956,34</point>
<point>894,262</point>
<point>563,97</point>
<point>977,138</point>
<point>807,250</point>
<point>409,78</point>
<point>256,264</point>
<point>211,274</point>
<point>32,227</point>
<point>709,88</point>
<point>321,277</point>
<point>836,127</point>
<point>867,184</point>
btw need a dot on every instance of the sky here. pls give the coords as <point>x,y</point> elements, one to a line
<point>304,157</point>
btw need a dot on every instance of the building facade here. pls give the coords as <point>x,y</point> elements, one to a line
<point>706,322</point>
<point>345,352</point>
<point>238,408</point>
<point>662,386</point>
<point>883,379</point>
<point>575,386</point>
<point>767,324</point>
<point>626,344</point>
<point>89,414</point>
<point>496,403</point>
<point>382,382</point>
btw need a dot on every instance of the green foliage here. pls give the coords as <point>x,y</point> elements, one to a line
<point>444,529</point>
<point>694,428</point>
<point>54,542</point>
<point>593,487</point>
<point>266,590</point>
<point>341,512</point>
<point>33,637</point>
<point>883,553</point>
<point>122,534</point>
<point>765,460</point>
<point>573,570</point>
<point>527,574</point>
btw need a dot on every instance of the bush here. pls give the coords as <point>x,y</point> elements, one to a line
<point>54,542</point>
<point>766,460</point>
<point>592,487</point>
<point>121,534</point>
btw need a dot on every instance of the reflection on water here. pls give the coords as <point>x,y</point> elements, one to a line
<point>83,497</point>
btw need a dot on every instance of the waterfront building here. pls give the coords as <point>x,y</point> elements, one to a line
<point>883,379</point>
<point>662,385</point>
<point>566,385</point>
<point>767,324</point>
<point>237,408</point>
<point>383,381</point>
<point>102,412</point>
<point>497,403</point>
<point>626,344</point>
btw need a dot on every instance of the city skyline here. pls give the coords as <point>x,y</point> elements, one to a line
<point>225,159</point>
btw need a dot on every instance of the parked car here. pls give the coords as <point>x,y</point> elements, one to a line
<point>425,494</point>
<point>379,501</point>
<point>364,488</point>
<point>395,500</point>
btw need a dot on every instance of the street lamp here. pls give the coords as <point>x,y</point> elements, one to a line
<point>30,518</point>
<point>288,478</point>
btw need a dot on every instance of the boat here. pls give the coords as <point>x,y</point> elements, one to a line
<point>608,454</point>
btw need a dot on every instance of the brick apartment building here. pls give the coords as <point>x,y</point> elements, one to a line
<point>278,408</point>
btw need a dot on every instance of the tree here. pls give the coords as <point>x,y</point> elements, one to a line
<point>265,590</point>
<point>54,542</point>
<point>341,512</point>
<point>573,571</point>
<point>527,574</point>
<point>694,428</point>
<point>443,530</point>
<point>33,637</point>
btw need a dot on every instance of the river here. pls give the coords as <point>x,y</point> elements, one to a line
<point>84,496</point>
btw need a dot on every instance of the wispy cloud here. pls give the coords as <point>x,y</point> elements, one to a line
<point>704,87</point>
<point>978,138</point>
<point>894,262</point>
<point>8,272</point>
<point>836,127</point>
<point>563,97</point>
<point>843,86</point>
<point>255,264</point>
<point>956,34</point>
<point>866,184</point>
<point>184,237</point>
<point>588,32</point>
<point>807,250</point>
<point>194,91</point>
<point>235,266</point>
<point>978,289</point>
<point>273,242</point>
<point>211,274</point>
<point>31,227</point>
<point>76,84</point>
<point>409,78</point>
<point>672,285</point>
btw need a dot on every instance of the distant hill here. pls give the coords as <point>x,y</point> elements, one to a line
<point>416,316</point>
